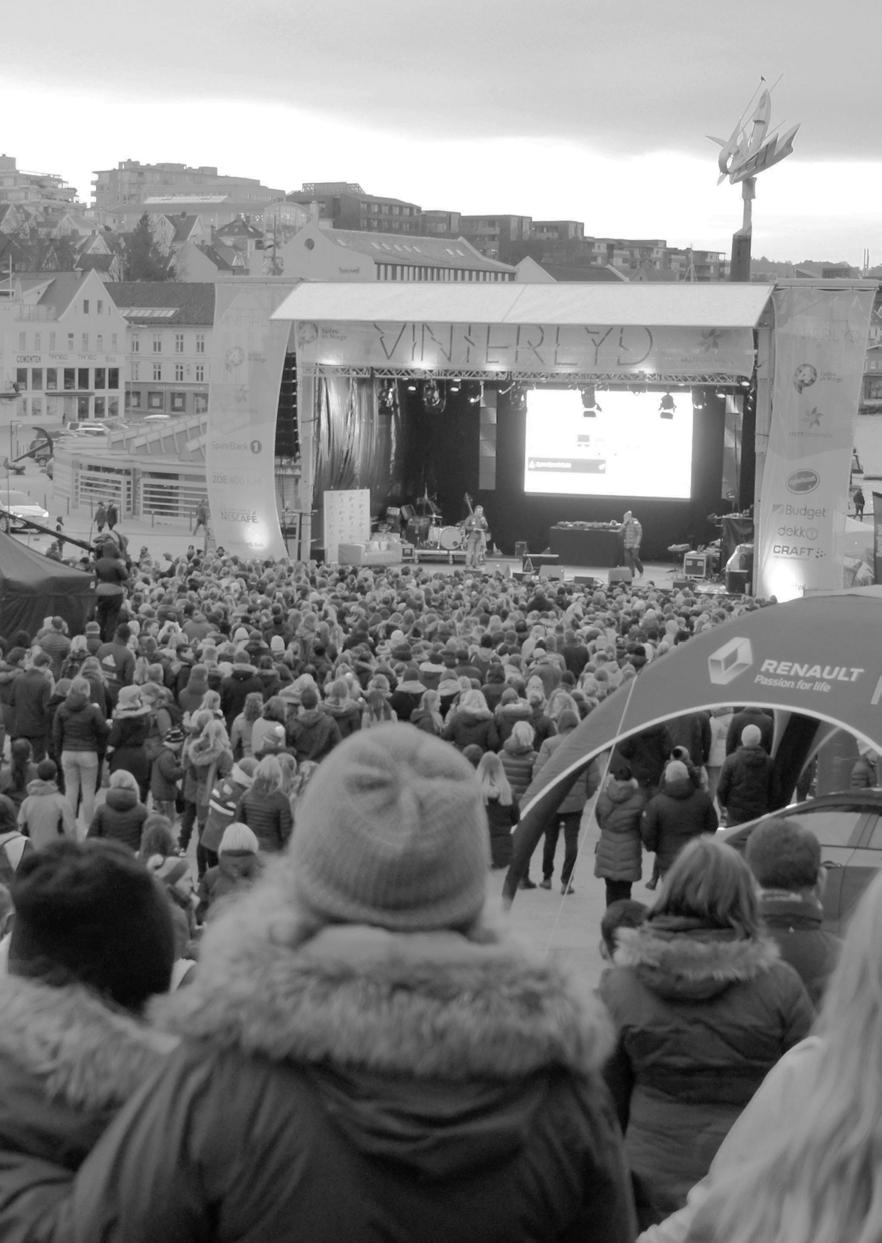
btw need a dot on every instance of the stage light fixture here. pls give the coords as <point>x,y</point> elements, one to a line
<point>698,399</point>
<point>590,408</point>
<point>666,407</point>
<point>411,386</point>
<point>455,385</point>
<point>476,398</point>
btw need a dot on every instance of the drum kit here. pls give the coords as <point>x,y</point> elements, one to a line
<point>427,532</point>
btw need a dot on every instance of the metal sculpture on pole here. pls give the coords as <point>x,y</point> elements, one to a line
<point>750,149</point>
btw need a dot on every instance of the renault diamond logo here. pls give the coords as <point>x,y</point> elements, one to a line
<point>729,661</point>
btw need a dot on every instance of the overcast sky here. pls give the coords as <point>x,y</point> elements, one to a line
<point>593,110</point>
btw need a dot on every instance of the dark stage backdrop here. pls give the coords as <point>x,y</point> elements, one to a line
<point>441,457</point>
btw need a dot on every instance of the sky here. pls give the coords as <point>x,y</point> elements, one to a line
<point>591,110</point>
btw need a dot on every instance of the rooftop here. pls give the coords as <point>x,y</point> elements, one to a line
<point>173,302</point>
<point>444,252</point>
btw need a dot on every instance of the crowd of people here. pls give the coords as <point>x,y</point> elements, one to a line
<point>254,989</point>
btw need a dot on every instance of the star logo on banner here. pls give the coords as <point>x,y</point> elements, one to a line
<point>709,341</point>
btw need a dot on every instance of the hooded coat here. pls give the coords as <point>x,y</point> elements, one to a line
<point>79,725</point>
<point>67,1064</point>
<point>674,816</point>
<point>120,817</point>
<point>517,763</point>
<point>242,681</point>
<point>235,870</point>
<point>619,852</point>
<point>45,814</point>
<point>747,786</point>
<point>701,1016</point>
<point>312,734</point>
<point>471,729</point>
<point>329,1090</point>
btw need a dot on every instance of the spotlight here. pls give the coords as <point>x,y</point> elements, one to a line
<point>411,386</point>
<point>666,407</point>
<point>476,398</point>
<point>590,408</point>
<point>455,385</point>
<point>698,401</point>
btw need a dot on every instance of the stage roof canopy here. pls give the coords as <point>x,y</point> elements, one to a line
<point>675,305</point>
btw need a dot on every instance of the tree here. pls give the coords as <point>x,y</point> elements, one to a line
<point>144,260</point>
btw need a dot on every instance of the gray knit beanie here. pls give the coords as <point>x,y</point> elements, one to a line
<point>392,832</point>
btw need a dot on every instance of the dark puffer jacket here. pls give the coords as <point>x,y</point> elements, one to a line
<point>701,1018</point>
<point>673,817</point>
<point>747,786</point>
<point>372,1107</point>
<point>269,818</point>
<point>471,729</point>
<point>121,817</point>
<point>517,763</point>
<point>312,734</point>
<point>79,726</point>
<point>619,854</point>
<point>501,819</point>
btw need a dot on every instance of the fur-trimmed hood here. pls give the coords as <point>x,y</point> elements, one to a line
<point>426,1006</point>
<point>683,959</point>
<point>85,1053</point>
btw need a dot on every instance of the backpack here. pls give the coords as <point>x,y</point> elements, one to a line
<point>13,847</point>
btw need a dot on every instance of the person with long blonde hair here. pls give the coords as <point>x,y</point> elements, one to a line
<point>704,1008</point>
<point>802,1164</point>
<point>501,806</point>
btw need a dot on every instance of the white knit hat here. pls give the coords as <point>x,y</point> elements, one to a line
<point>238,837</point>
<point>392,832</point>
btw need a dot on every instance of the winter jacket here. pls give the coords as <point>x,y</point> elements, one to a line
<point>747,787</point>
<point>56,646</point>
<point>702,1016</point>
<point>128,738</point>
<point>501,820</point>
<point>517,763</point>
<point>507,716</point>
<point>692,731</point>
<point>346,714</point>
<point>8,676</point>
<point>312,734</point>
<point>45,814</point>
<point>29,700</point>
<point>619,851</point>
<point>582,788</point>
<point>646,754</point>
<point>79,725</point>
<point>117,665</point>
<point>67,1063</point>
<point>234,689</point>
<point>17,793</point>
<point>467,729</point>
<point>269,818</point>
<point>864,774</point>
<point>795,922</point>
<point>424,720</point>
<point>120,817</point>
<point>673,817</point>
<point>750,716</point>
<point>222,803</point>
<point>384,1110</point>
<point>207,764</point>
<point>165,773</point>
<point>406,697</point>
<point>236,871</point>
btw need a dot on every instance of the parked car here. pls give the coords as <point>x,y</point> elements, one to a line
<point>848,826</point>
<point>15,507</point>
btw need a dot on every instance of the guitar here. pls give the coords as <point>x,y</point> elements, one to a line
<point>483,532</point>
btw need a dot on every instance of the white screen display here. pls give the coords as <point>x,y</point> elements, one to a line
<point>627,449</point>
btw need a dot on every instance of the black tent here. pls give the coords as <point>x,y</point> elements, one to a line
<point>33,587</point>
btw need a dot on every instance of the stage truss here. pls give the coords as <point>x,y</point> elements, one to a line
<point>618,379</point>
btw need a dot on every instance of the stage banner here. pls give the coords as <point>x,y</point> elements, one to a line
<point>820,344</point>
<point>557,349</point>
<point>248,358</point>
<point>877,537</point>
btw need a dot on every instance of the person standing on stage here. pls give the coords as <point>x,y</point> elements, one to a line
<point>476,530</point>
<point>632,537</point>
<point>859,503</point>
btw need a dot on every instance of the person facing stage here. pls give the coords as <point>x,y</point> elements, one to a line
<point>476,530</point>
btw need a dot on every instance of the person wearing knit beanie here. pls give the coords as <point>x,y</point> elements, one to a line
<point>90,912</point>
<point>748,785</point>
<point>677,813</point>
<point>237,867</point>
<point>392,832</point>
<point>751,736</point>
<point>406,1060</point>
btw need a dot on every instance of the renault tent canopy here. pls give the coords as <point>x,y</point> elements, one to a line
<point>33,587</point>
<point>816,659</point>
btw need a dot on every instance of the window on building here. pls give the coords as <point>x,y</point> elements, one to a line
<point>99,306</point>
<point>51,341</point>
<point>51,379</point>
<point>179,343</point>
<point>157,371</point>
<point>200,373</point>
<point>178,402</point>
<point>70,340</point>
<point>179,372</point>
<point>157,343</point>
<point>37,407</point>
<point>114,342</point>
<point>133,399</point>
<point>100,377</point>
<point>85,342</point>
<point>100,407</point>
<point>136,372</point>
<point>82,407</point>
<point>200,342</point>
<point>85,306</point>
<point>136,343</point>
<point>154,401</point>
<point>113,407</point>
<point>38,342</point>
<point>82,377</point>
<point>21,378</point>
<point>200,402</point>
<point>113,377</point>
<point>70,379</point>
<point>37,378</point>
<point>22,341</point>
<point>99,343</point>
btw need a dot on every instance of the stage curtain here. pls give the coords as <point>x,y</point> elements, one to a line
<point>357,445</point>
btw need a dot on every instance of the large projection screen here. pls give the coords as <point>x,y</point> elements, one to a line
<point>625,449</point>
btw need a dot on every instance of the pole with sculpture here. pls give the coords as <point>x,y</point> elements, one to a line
<point>751,148</point>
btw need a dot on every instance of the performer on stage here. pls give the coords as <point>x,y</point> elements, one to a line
<point>476,529</point>
<point>632,537</point>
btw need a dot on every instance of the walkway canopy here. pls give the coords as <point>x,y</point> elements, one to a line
<point>817,661</point>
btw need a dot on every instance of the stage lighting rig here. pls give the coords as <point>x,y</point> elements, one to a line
<point>666,407</point>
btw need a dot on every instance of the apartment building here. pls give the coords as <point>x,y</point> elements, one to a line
<point>345,205</point>
<point>168,363</point>
<point>320,254</point>
<point>131,182</point>
<point>492,234</point>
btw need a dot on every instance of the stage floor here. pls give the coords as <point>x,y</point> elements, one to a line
<point>657,573</point>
